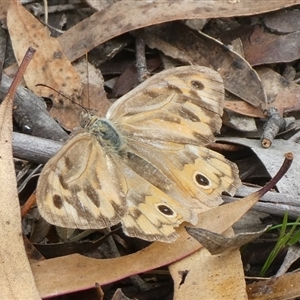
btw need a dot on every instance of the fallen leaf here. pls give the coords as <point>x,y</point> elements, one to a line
<point>17,281</point>
<point>273,203</point>
<point>217,243</point>
<point>242,107</point>
<point>283,21</point>
<point>239,122</point>
<point>131,15</point>
<point>3,9</point>
<point>118,295</point>
<point>49,67</point>
<point>281,288</point>
<point>281,93</point>
<point>263,47</point>
<point>209,276</point>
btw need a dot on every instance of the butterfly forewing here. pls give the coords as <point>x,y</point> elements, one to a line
<point>183,105</point>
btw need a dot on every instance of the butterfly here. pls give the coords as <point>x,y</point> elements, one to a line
<point>144,165</point>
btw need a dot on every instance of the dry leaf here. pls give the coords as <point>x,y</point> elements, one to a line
<point>217,243</point>
<point>131,15</point>
<point>49,66</point>
<point>280,288</point>
<point>118,295</point>
<point>283,21</point>
<point>273,203</point>
<point>281,93</point>
<point>16,278</point>
<point>234,104</point>
<point>100,4</point>
<point>263,47</point>
<point>209,276</point>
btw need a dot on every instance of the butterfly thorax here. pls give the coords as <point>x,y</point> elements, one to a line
<point>105,132</point>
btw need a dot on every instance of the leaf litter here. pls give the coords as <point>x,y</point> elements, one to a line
<point>251,90</point>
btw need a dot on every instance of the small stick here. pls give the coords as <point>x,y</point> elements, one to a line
<point>288,159</point>
<point>141,64</point>
<point>22,68</point>
<point>273,126</point>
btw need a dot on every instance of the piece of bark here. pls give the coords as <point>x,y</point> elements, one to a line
<point>31,114</point>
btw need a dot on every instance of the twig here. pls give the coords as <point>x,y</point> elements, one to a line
<point>273,126</point>
<point>141,64</point>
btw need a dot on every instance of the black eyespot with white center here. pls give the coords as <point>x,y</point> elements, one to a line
<point>198,85</point>
<point>202,180</point>
<point>165,210</point>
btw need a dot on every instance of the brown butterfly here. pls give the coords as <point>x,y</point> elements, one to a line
<point>145,164</point>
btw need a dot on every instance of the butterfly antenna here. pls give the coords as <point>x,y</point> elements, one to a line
<point>49,87</point>
<point>88,77</point>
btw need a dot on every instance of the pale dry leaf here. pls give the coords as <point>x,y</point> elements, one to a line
<point>209,276</point>
<point>272,203</point>
<point>131,15</point>
<point>16,278</point>
<point>49,65</point>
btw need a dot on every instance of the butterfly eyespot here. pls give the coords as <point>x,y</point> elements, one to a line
<point>202,180</point>
<point>197,85</point>
<point>57,201</point>
<point>166,210</point>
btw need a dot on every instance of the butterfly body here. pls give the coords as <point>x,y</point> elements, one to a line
<point>145,165</point>
<point>106,133</point>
